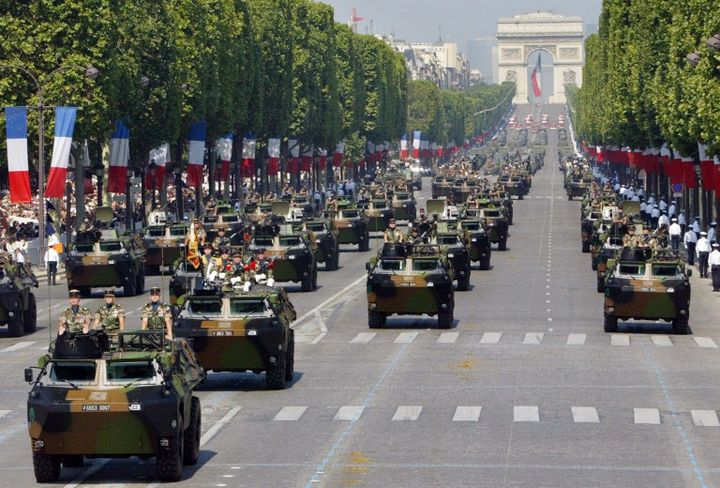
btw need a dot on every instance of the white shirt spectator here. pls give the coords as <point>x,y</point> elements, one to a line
<point>51,255</point>
<point>714,258</point>
<point>711,234</point>
<point>671,210</point>
<point>690,236</point>
<point>675,229</point>
<point>651,200</point>
<point>663,205</point>
<point>643,206</point>
<point>696,226</point>
<point>681,219</point>
<point>635,198</point>
<point>663,220</point>
<point>703,245</point>
<point>655,213</point>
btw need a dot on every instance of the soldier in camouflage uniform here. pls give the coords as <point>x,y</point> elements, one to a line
<point>220,241</point>
<point>111,316</point>
<point>75,319</point>
<point>157,315</point>
<point>392,233</point>
<point>630,239</point>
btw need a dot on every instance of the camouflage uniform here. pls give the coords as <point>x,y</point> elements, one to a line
<point>156,317</point>
<point>393,235</point>
<point>220,243</point>
<point>109,318</point>
<point>74,322</point>
<point>630,240</point>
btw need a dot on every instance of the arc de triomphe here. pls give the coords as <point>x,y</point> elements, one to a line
<point>558,35</point>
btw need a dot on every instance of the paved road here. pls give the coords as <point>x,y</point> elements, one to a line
<point>525,390</point>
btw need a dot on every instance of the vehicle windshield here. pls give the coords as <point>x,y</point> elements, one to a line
<point>447,240</point>
<point>350,214</point>
<point>111,246</point>
<point>425,265</point>
<point>84,247</point>
<point>230,218</point>
<point>205,307</point>
<point>156,231</point>
<point>263,241</point>
<point>178,231</point>
<point>665,270</point>
<point>379,204</point>
<point>471,225</point>
<point>241,307</point>
<point>492,213</point>
<point>392,265</point>
<point>130,371</point>
<point>315,226</point>
<point>632,269</point>
<point>73,371</point>
<point>402,196</point>
<point>290,241</point>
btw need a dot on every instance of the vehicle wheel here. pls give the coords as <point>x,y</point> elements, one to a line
<point>169,462</point>
<point>485,264</point>
<point>130,288</point>
<point>306,283</point>
<point>85,291</point>
<point>600,285</point>
<point>376,320</point>
<point>140,283</point>
<point>569,198</point>
<point>611,323</point>
<point>464,283</point>
<point>502,244</point>
<point>314,278</point>
<point>191,436</point>
<point>337,257</point>
<point>275,375</point>
<point>520,197</point>
<point>30,315</point>
<point>593,265</point>
<point>15,325</point>
<point>586,247</point>
<point>47,468</point>
<point>152,270</point>
<point>330,262</point>
<point>364,244</point>
<point>445,318</point>
<point>73,461</point>
<point>290,358</point>
<point>680,326</point>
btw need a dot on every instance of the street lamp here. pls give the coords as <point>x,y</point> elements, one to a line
<point>90,72</point>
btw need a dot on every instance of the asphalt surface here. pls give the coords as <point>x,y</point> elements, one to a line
<point>525,390</point>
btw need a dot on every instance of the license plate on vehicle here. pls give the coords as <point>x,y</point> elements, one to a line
<point>222,333</point>
<point>95,408</point>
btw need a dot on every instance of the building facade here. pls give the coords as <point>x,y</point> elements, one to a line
<point>441,62</point>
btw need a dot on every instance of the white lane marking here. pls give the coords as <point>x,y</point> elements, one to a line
<point>330,300</point>
<point>705,418</point>
<point>491,338</point>
<point>467,414</point>
<point>212,431</point>
<point>576,339</point>
<point>349,412</point>
<point>319,337</point>
<point>363,338</point>
<point>407,412</point>
<point>705,342</point>
<point>94,468</point>
<point>661,341</point>
<point>405,337</point>
<point>533,338</point>
<point>4,413</point>
<point>585,415</point>
<point>289,414</point>
<point>18,346</point>
<point>526,414</point>
<point>646,416</point>
<point>448,337</point>
<point>619,340</point>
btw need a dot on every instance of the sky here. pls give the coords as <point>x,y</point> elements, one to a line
<point>460,20</point>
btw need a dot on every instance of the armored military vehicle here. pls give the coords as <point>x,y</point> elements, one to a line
<point>462,189</point>
<point>134,398</point>
<point>185,278</point>
<point>477,241</point>
<point>17,301</point>
<point>442,187</point>
<point>378,214</point>
<point>577,186</point>
<point>450,240</point>
<point>410,280</point>
<point>294,256</point>
<point>101,257</point>
<point>586,228</point>
<point>648,285</point>
<point>494,222</point>
<point>164,244</point>
<point>610,250</point>
<point>326,239</point>
<point>404,206</point>
<point>351,225</point>
<point>235,330</point>
<point>517,185</point>
<point>233,223</point>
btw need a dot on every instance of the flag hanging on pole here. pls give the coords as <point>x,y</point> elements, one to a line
<point>248,155</point>
<point>273,156</point>
<point>417,135</point>
<point>293,162</point>
<point>339,154</point>
<point>119,156</point>
<point>64,127</point>
<point>157,160</point>
<point>18,173</point>
<point>536,78</point>
<point>404,147</point>
<point>224,147</point>
<point>197,154</point>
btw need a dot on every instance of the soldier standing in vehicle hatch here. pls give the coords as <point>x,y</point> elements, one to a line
<point>392,233</point>
<point>110,317</point>
<point>75,319</point>
<point>156,315</point>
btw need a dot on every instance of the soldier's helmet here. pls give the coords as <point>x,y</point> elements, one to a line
<point>155,290</point>
<point>109,293</point>
<point>74,293</point>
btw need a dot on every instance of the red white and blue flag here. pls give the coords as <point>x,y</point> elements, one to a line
<point>158,159</point>
<point>536,79</point>
<point>64,128</point>
<point>248,155</point>
<point>417,136</point>
<point>404,147</point>
<point>273,166</point>
<point>18,174</point>
<point>196,153</point>
<point>339,154</point>
<point>119,157</point>
<point>224,147</point>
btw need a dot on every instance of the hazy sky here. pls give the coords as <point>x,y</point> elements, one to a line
<point>461,20</point>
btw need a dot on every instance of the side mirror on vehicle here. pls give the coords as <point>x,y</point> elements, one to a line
<point>688,272</point>
<point>28,375</point>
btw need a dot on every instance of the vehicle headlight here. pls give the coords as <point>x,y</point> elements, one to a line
<point>473,240</point>
<point>291,256</point>
<point>451,255</point>
<point>671,290</point>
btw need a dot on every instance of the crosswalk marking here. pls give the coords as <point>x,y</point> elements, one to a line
<point>661,341</point>
<point>289,414</point>
<point>467,414</point>
<point>705,342</point>
<point>405,337</point>
<point>585,415</point>
<point>4,413</point>
<point>363,338</point>
<point>620,340</point>
<point>526,414</point>
<point>407,412</point>
<point>647,416</point>
<point>350,412</point>
<point>533,338</point>
<point>491,338</point>
<point>576,339</point>
<point>448,337</point>
<point>705,418</point>
<point>18,346</point>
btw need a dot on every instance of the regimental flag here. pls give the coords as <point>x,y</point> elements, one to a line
<point>339,154</point>
<point>248,155</point>
<point>224,147</point>
<point>404,147</point>
<point>119,157</point>
<point>536,78</point>
<point>293,162</point>
<point>273,156</point>
<point>307,158</point>
<point>196,153</point>
<point>417,137</point>
<point>157,160</point>
<point>64,128</point>
<point>322,161</point>
<point>18,173</point>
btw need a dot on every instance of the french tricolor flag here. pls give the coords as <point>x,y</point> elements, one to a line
<point>404,147</point>
<point>119,157</point>
<point>224,147</point>
<point>64,127</point>
<point>197,154</point>
<point>158,159</point>
<point>18,175</point>
<point>417,136</point>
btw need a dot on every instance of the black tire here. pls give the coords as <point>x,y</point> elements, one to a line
<point>376,320</point>
<point>502,244</point>
<point>140,283</point>
<point>275,375</point>
<point>611,323</point>
<point>290,358</point>
<point>593,265</point>
<point>569,198</point>
<point>73,461</point>
<point>314,278</point>
<point>485,264</point>
<point>680,326</point>
<point>464,282</point>
<point>585,247</point>
<point>445,318</point>
<point>169,462</point>
<point>364,244</point>
<point>30,315</point>
<point>306,283</point>
<point>191,436</point>
<point>15,325</point>
<point>152,270</point>
<point>600,285</point>
<point>46,467</point>
<point>130,288</point>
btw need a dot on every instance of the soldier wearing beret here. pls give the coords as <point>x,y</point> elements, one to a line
<point>75,319</point>
<point>110,317</point>
<point>157,315</point>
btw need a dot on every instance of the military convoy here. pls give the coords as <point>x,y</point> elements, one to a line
<point>164,244</point>
<point>18,307</point>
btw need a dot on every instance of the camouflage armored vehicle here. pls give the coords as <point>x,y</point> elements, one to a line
<point>462,189</point>
<point>18,308</point>
<point>378,214</point>
<point>517,185</point>
<point>586,228</point>
<point>235,330</point>
<point>450,240</point>
<point>134,398</point>
<point>104,258</point>
<point>233,223</point>
<point>351,225</point>
<point>647,285</point>
<point>294,256</point>
<point>185,278</point>
<point>164,244</point>
<point>610,250</point>
<point>477,241</point>
<point>494,222</point>
<point>578,186</point>
<point>326,239</point>
<point>404,206</point>
<point>410,280</point>
<point>441,187</point>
